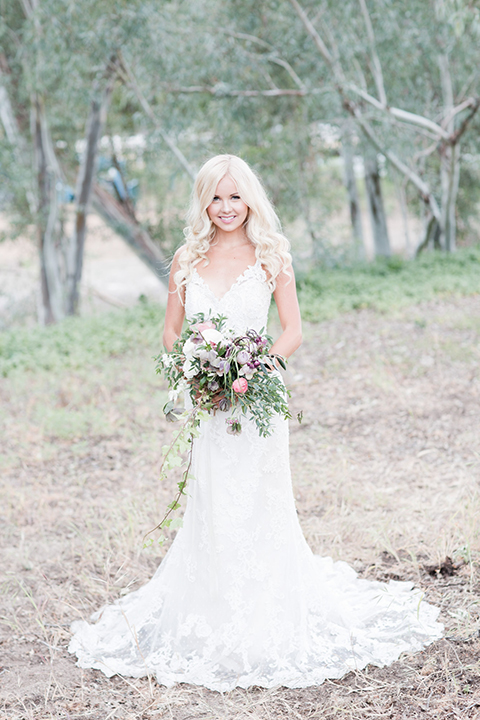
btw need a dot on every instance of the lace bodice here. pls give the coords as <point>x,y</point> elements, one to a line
<point>245,304</point>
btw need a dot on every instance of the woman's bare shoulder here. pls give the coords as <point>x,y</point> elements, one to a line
<point>284,277</point>
<point>177,256</point>
<point>179,251</point>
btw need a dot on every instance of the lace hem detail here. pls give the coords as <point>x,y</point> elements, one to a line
<point>295,651</point>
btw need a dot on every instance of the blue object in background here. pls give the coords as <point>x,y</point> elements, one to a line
<point>65,193</point>
<point>132,189</point>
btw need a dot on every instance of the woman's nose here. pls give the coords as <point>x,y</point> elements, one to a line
<point>226,205</point>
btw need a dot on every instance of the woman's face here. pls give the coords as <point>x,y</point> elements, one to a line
<point>227,210</point>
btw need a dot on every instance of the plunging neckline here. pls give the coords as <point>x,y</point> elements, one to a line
<point>236,282</point>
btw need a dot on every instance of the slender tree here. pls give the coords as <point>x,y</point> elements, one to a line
<point>456,114</point>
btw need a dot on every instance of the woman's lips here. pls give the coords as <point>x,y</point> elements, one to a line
<point>227,218</point>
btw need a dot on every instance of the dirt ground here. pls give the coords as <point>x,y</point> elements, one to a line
<point>386,470</point>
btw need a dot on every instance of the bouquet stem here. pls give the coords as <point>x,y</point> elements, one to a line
<point>174,449</point>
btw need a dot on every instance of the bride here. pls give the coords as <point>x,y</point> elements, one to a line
<point>240,599</point>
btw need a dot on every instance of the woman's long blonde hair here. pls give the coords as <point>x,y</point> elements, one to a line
<point>262,225</point>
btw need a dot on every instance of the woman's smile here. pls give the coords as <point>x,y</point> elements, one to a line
<point>227,210</point>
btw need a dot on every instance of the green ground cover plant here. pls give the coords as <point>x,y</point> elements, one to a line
<point>80,342</point>
<point>384,285</point>
<point>387,285</point>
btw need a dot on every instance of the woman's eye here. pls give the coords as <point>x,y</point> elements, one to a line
<point>235,197</point>
<point>215,198</point>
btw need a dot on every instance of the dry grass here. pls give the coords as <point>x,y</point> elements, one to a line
<point>386,472</point>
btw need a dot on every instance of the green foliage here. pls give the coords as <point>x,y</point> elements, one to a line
<point>68,422</point>
<point>208,370</point>
<point>62,52</point>
<point>386,285</point>
<point>177,454</point>
<point>80,342</point>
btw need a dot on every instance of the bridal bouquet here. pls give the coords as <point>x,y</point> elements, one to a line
<point>221,371</point>
<point>224,371</point>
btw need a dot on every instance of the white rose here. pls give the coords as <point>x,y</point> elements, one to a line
<point>189,348</point>
<point>212,336</point>
<point>173,395</point>
<point>182,385</point>
<point>189,369</point>
<point>247,372</point>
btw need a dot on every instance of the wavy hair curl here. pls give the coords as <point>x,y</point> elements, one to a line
<point>262,225</point>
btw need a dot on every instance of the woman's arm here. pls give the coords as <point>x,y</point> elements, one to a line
<point>175,311</point>
<point>285,295</point>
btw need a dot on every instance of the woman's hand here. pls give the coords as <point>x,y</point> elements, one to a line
<point>274,361</point>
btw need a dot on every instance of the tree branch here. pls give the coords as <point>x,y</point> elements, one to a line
<point>469,82</point>
<point>289,69</point>
<point>447,90</point>
<point>131,82</point>
<point>221,91</point>
<point>250,38</point>
<point>15,138</point>
<point>274,57</point>
<point>416,129</point>
<point>119,219</point>
<point>426,152</point>
<point>269,79</point>
<point>86,174</point>
<point>470,102</point>
<point>404,115</point>
<point>8,119</point>
<point>398,113</point>
<point>415,179</point>
<point>27,8</point>
<point>376,66</point>
<point>455,136</point>
<point>322,48</point>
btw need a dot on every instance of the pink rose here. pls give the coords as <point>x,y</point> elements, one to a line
<point>240,386</point>
<point>199,327</point>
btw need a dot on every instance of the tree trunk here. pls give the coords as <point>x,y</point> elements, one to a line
<point>8,118</point>
<point>402,199</point>
<point>16,140</point>
<point>375,204</point>
<point>431,236</point>
<point>352,190</point>
<point>443,131</point>
<point>318,247</point>
<point>450,174</point>
<point>48,221</point>
<point>449,162</point>
<point>121,221</point>
<point>95,123</point>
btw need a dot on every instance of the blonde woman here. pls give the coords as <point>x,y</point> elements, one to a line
<point>240,599</point>
<point>233,230</point>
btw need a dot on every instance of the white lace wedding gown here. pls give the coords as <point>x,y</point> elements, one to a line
<point>240,599</point>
